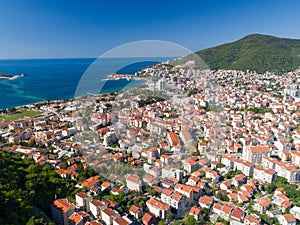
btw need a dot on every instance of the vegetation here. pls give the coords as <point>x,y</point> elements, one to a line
<point>15,115</point>
<point>232,174</point>
<point>291,190</point>
<point>38,221</point>
<point>126,201</point>
<point>23,184</point>
<point>261,110</point>
<point>255,52</point>
<point>150,100</point>
<point>193,92</point>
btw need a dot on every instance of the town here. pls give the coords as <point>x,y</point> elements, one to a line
<point>190,146</point>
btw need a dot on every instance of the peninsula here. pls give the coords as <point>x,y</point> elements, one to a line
<point>12,77</point>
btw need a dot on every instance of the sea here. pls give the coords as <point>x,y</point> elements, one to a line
<point>53,79</point>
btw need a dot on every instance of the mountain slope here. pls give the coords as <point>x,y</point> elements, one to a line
<point>255,52</point>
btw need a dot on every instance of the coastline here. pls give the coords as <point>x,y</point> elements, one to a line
<point>30,105</point>
<point>11,77</point>
<point>42,84</point>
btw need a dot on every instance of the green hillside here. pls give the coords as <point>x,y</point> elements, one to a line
<point>255,52</point>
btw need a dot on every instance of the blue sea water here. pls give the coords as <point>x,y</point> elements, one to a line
<point>51,79</point>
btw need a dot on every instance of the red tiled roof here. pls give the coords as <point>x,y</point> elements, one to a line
<point>195,210</point>
<point>63,205</point>
<point>259,149</point>
<point>134,209</point>
<point>158,204</point>
<point>289,218</point>
<point>147,217</point>
<point>121,221</point>
<point>82,195</point>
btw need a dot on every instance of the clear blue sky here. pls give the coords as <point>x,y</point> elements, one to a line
<point>77,28</point>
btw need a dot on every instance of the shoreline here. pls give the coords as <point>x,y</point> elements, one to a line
<point>12,77</point>
<point>72,98</point>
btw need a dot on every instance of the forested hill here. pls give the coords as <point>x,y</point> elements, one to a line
<point>23,184</point>
<point>255,52</point>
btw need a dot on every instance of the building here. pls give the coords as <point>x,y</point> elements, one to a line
<point>110,138</point>
<point>269,162</point>
<point>244,166</point>
<point>61,210</point>
<point>136,211</point>
<point>78,218</point>
<point>195,211</point>
<point>161,84</point>
<point>255,154</point>
<point>287,219</point>
<point>206,201</point>
<point>83,200</point>
<point>148,219</point>
<point>108,215</point>
<point>158,208</point>
<point>173,139</point>
<point>295,211</point>
<point>250,220</point>
<point>287,171</point>
<point>265,175</point>
<point>174,199</point>
<point>133,182</point>
<point>292,90</point>
<point>122,221</point>
<point>95,207</point>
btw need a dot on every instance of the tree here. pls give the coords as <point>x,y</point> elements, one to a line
<point>32,185</point>
<point>11,110</point>
<point>162,222</point>
<point>38,221</point>
<point>169,216</point>
<point>190,220</point>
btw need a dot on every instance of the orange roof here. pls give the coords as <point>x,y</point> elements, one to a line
<point>207,200</point>
<point>147,217</point>
<point>93,223</point>
<point>174,138</point>
<point>109,212</point>
<point>158,204</point>
<point>177,196</point>
<point>165,156</point>
<point>217,206</point>
<point>77,217</point>
<point>91,182</point>
<point>233,196</point>
<point>134,209</point>
<point>243,197</point>
<point>121,221</point>
<point>289,218</point>
<point>167,192</point>
<point>226,209</point>
<point>264,202</point>
<point>106,184</point>
<point>63,205</point>
<point>82,195</point>
<point>97,203</point>
<point>133,178</point>
<point>237,213</point>
<point>252,220</point>
<point>195,210</point>
<point>259,149</point>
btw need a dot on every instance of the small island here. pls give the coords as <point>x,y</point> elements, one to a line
<point>12,77</point>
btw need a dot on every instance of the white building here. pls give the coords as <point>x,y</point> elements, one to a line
<point>133,182</point>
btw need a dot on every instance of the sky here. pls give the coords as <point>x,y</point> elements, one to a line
<point>77,28</point>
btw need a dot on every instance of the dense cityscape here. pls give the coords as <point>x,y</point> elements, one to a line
<point>189,146</point>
